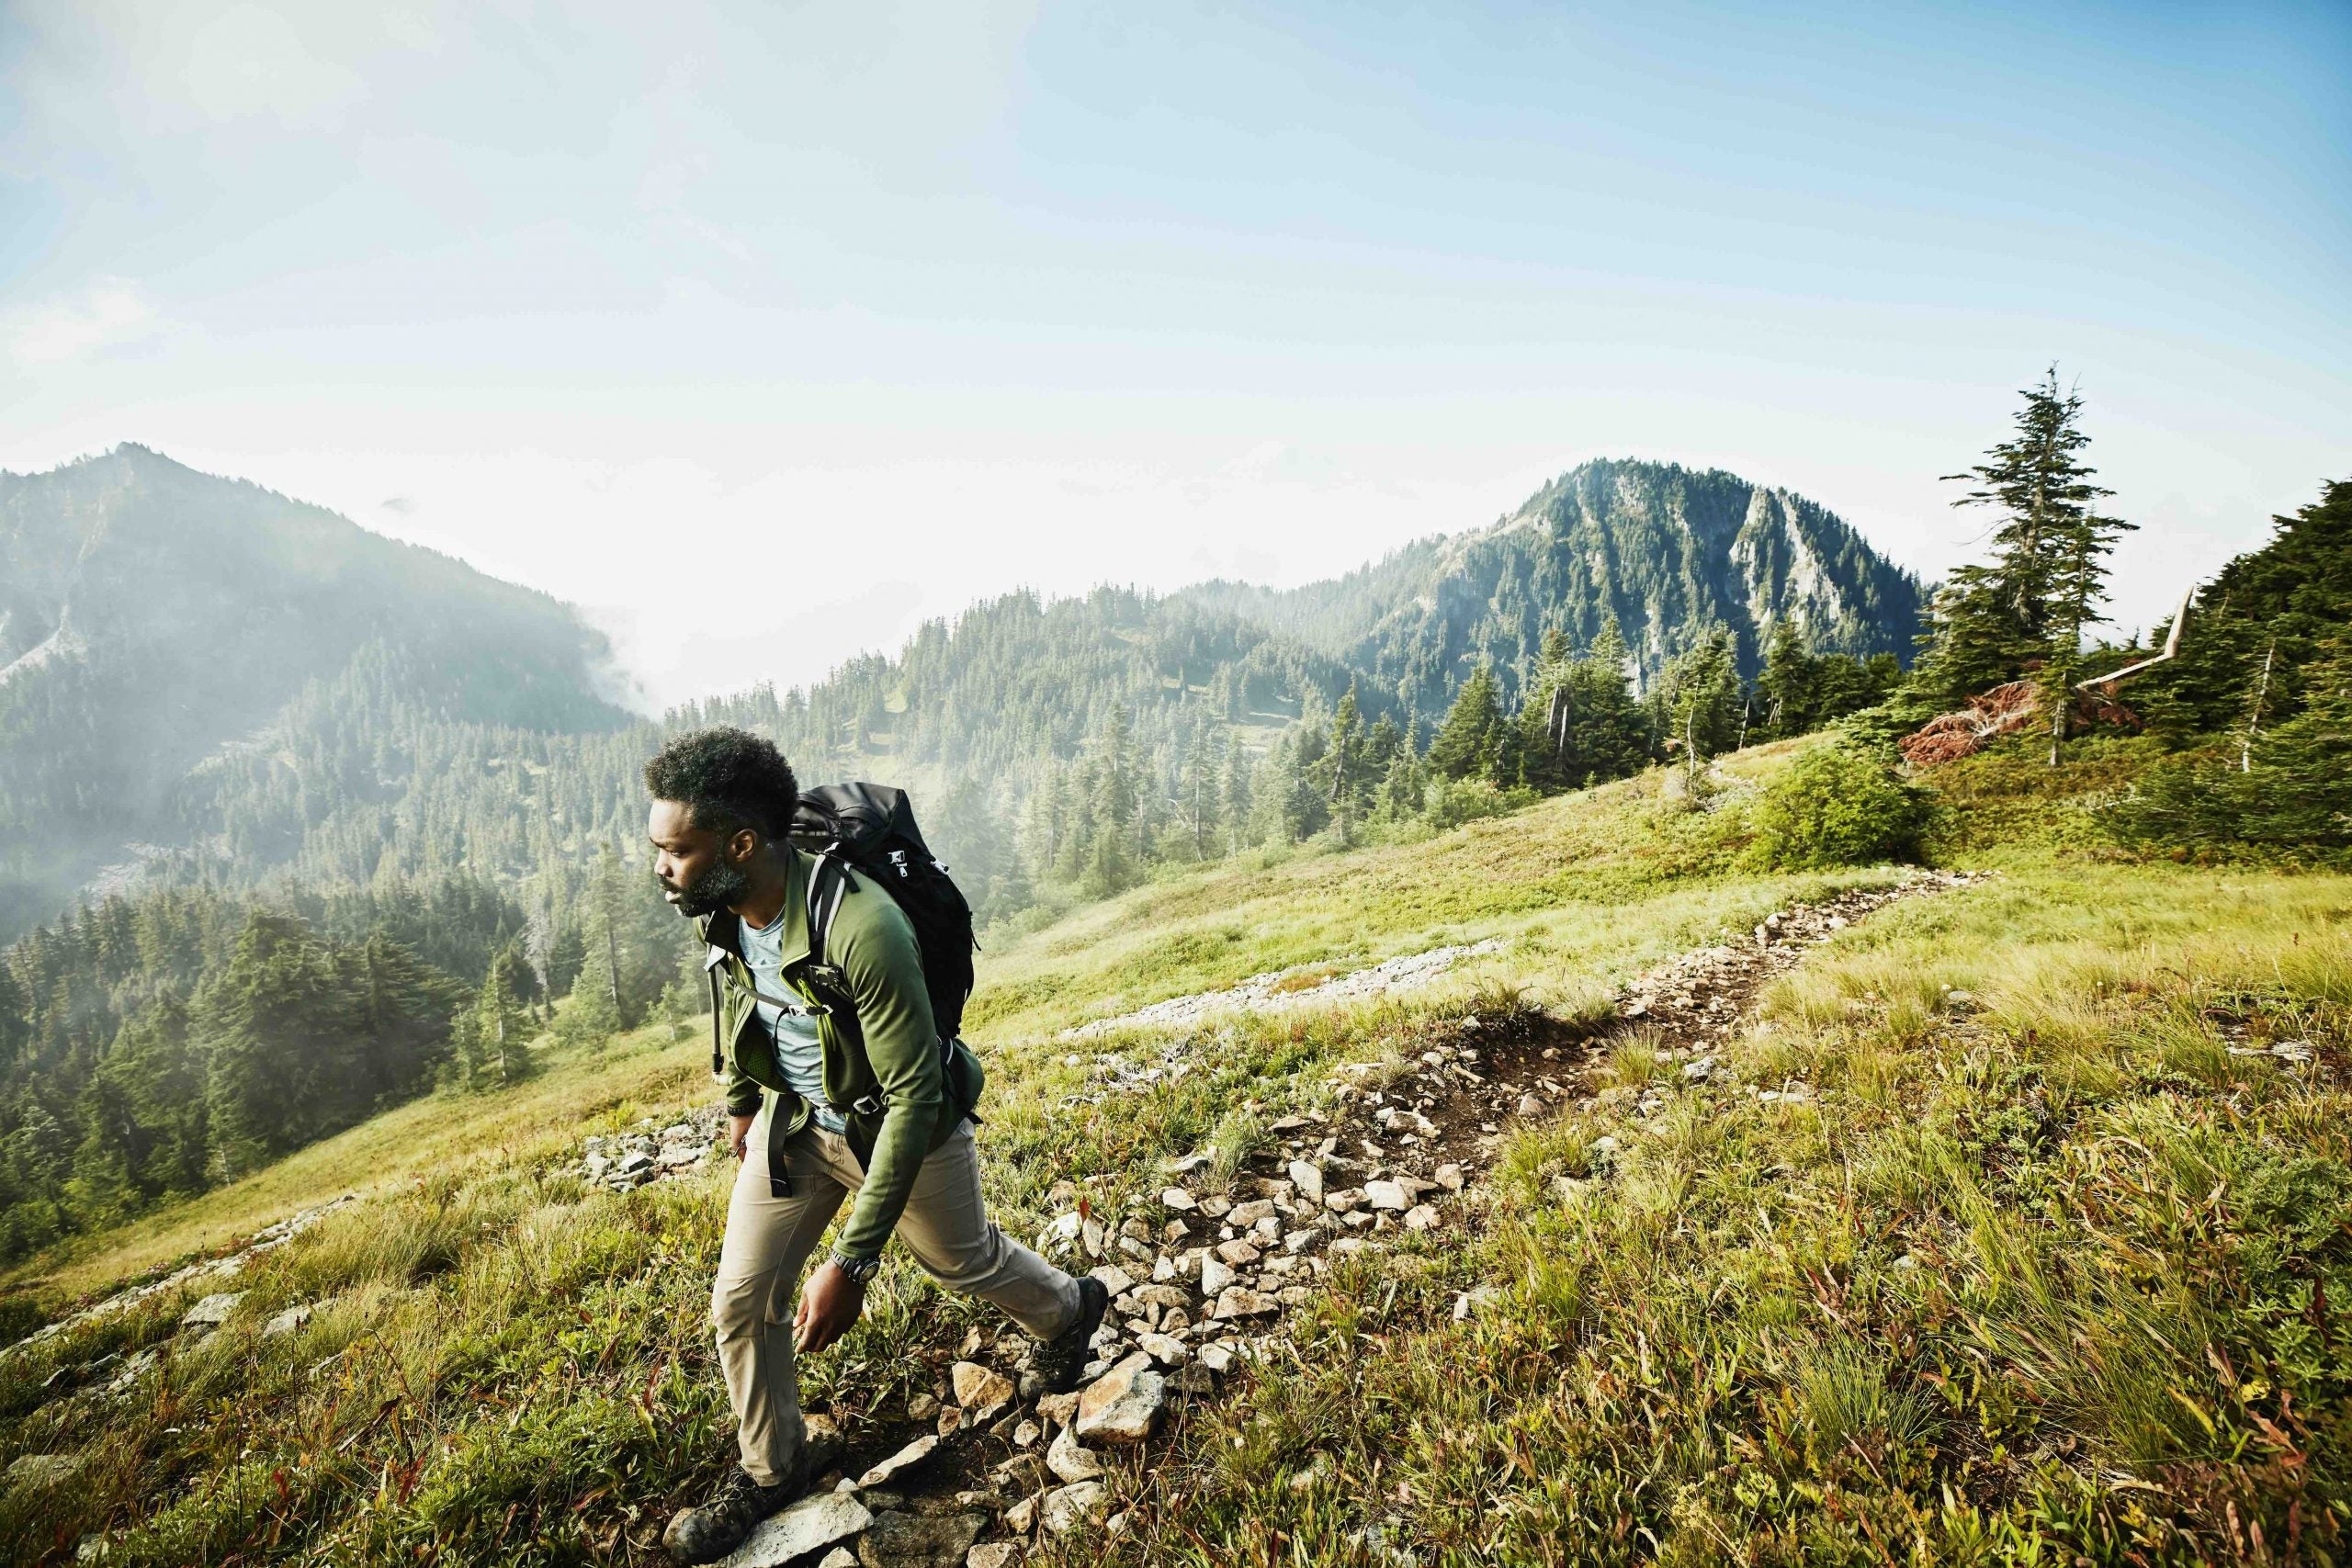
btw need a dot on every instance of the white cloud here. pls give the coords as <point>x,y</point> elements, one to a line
<point>108,313</point>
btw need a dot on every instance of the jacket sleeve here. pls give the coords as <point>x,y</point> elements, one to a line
<point>742,1094</point>
<point>884,969</point>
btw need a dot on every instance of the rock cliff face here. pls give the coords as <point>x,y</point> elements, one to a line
<point>1669,551</point>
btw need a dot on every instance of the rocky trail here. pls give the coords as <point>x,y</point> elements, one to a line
<point>968,1476</point>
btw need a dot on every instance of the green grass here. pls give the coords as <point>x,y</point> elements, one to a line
<point>1708,1349</point>
<point>2044,1276</point>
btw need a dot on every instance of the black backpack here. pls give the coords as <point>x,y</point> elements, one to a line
<point>868,829</point>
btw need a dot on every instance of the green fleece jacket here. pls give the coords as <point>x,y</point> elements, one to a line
<point>882,1061</point>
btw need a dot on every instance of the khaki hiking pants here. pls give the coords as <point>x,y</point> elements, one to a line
<point>944,1225</point>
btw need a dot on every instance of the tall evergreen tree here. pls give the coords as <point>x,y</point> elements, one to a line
<point>2031,603</point>
<point>1469,743</point>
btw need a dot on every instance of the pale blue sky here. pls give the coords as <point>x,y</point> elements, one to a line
<point>1058,294</point>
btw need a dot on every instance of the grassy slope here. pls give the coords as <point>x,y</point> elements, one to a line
<point>1710,1354</point>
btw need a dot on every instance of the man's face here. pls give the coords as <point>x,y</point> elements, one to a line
<point>700,873</point>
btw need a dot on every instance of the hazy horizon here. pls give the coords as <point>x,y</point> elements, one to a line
<point>1037,295</point>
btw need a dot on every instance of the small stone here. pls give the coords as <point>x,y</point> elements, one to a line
<point>1469,1304</point>
<point>1025,1436</point>
<point>1068,1509</point>
<point>1450,1178</point>
<point>1529,1106</point>
<point>1238,1253</point>
<point>1123,1405</point>
<point>1247,1214</point>
<point>1022,1516</point>
<point>919,1540</point>
<point>1421,1217</point>
<point>1216,1275</point>
<point>1344,1202</point>
<point>1217,1357</point>
<point>1238,1301</point>
<point>1163,1270</point>
<point>983,1391</point>
<point>1301,1241</point>
<point>906,1458</point>
<point>1179,1200</point>
<point>212,1310</point>
<point>1115,1280</point>
<point>839,1557</point>
<point>995,1554</point>
<point>1070,1459</point>
<point>1167,1351</point>
<point>286,1322</point>
<point>1307,1179</point>
<point>1386,1196</point>
<point>800,1531</point>
<point>921,1407</point>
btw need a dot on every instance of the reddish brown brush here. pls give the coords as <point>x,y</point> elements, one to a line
<point>2004,710</point>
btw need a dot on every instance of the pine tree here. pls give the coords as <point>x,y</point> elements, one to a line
<point>1468,744</point>
<point>2031,603</point>
<point>1787,686</point>
<point>1112,868</point>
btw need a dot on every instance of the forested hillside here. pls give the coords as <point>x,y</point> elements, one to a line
<point>153,617</point>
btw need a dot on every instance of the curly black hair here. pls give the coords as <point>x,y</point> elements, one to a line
<point>727,778</point>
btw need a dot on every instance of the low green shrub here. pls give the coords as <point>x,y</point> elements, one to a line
<point>1834,806</point>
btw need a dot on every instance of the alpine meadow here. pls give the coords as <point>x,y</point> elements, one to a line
<point>1038,786</point>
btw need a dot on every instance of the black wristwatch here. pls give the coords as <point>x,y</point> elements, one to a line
<point>858,1268</point>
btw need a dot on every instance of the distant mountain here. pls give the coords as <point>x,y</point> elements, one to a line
<point>1668,551</point>
<point>153,617</point>
<point>204,681</point>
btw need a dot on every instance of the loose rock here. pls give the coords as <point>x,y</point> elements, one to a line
<point>1123,1406</point>
<point>983,1391</point>
<point>807,1527</point>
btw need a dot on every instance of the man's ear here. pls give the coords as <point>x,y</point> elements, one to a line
<point>742,845</point>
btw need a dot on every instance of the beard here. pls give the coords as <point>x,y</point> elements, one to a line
<point>714,890</point>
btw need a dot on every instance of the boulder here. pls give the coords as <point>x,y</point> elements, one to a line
<point>806,1528</point>
<point>1123,1406</point>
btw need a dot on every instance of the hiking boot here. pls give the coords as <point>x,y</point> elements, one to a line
<point>711,1530</point>
<point>1054,1366</point>
<point>709,1533</point>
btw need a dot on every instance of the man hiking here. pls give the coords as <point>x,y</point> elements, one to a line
<point>838,1086</point>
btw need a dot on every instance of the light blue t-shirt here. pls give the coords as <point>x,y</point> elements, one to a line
<point>798,1053</point>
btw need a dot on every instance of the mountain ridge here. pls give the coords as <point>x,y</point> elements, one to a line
<point>403,690</point>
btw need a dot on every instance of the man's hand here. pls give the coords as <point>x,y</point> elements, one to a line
<point>830,1304</point>
<point>738,1131</point>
